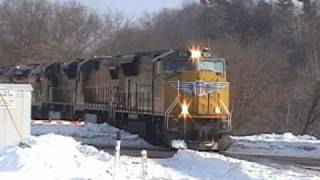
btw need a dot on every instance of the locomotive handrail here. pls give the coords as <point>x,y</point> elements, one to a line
<point>230,122</point>
<point>60,95</point>
<point>172,105</point>
<point>163,55</point>
<point>228,112</point>
<point>170,108</point>
<point>111,108</point>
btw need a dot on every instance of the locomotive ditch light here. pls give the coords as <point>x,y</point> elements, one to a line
<point>184,110</point>
<point>217,110</point>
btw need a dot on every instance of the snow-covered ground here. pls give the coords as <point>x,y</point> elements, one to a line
<point>277,145</point>
<point>58,157</point>
<point>267,144</point>
<point>90,133</point>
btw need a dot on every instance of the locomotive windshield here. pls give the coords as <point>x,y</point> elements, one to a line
<point>211,65</point>
<point>205,64</point>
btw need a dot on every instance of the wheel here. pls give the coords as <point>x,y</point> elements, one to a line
<point>224,142</point>
<point>168,137</point>
<point>150,134</point>
<point>158,129</point>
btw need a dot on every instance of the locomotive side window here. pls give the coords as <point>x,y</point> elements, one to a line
<point>178,65</point>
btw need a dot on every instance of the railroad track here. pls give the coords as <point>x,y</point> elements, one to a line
<point>306,163</point>
<point>153,152</point>
<point>283,162</point>
<point>167,152</point>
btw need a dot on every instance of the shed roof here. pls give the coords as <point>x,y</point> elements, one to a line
<point>16,87</point>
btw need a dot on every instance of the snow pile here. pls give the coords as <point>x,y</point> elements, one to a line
<point>203,165</point>
<point>277,144</point>
<point>287,137</point>
<point>94,134</point>
<point>52,157</point>
<point>178,144</point>
<point>58,157</point>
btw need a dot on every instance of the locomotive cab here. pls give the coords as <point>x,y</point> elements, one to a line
<point>197,98</point>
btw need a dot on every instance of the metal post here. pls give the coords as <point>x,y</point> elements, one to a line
<point>153,91</point>
<point>116,155</point>
<point>50,94</point>
<point>285,125</point>
<point>144,164</point>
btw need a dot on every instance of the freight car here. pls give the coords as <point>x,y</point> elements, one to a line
<point>161,95</point>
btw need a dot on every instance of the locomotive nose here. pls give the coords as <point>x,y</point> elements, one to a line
<point>205,92</point>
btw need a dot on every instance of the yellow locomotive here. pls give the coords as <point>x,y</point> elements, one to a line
<point>161,95</point>
<point>197,99</point>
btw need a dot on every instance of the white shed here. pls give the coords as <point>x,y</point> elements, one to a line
<point>15,112</point>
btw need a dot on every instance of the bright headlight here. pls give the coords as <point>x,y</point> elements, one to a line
<point>195,54</point>
<point>184,109</point>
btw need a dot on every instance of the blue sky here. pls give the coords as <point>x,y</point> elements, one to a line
<point>133,7</point>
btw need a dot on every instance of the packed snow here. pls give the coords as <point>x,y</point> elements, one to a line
<point>94,134</point>
<point>277,145</point>
<point>58,157</point>
<point>102,135</point>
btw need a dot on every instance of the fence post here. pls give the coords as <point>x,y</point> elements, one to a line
<point>116,155</point>
<point>144,164</point>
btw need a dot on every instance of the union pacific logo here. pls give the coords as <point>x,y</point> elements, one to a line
<point>198,88</point>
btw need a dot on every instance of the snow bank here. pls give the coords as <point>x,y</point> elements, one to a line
<point>52,157</point>
<point>287,137</point>
<point>58,157</point>
<point>90,133</point>
<point>277,145</point>
<point>202,165</point>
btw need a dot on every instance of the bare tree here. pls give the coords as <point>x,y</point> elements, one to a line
<point>307,88</point>
<point>23,26</point>
<point>73,30</point>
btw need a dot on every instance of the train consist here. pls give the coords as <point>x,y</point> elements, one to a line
<point>161,95</point>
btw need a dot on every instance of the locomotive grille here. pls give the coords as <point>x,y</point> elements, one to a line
<point>198,88</point>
